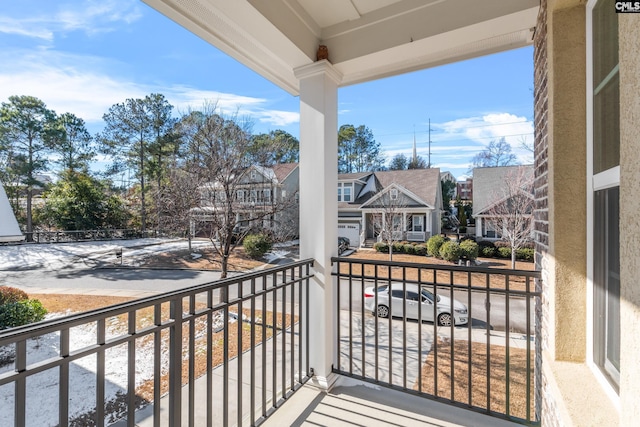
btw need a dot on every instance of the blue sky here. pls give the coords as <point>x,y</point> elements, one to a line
<point>83,56</point>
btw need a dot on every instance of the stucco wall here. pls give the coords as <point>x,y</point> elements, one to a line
<point>567,180</point>
<point>630,217</point>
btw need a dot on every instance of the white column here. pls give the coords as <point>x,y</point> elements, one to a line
<point>478,227</point>
<point>319,206</point>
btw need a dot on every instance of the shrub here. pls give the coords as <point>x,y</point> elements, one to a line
<point>398,247</point>
<point>525,254</point>
<point>420,249</point>
<point>502,244</point>
<point>9,294</point>
<point>450,251</point>
<point>504,252</point>
<point>433,245</point>
<point>20,313</point>
<point>409,249</point>
<point>469,250</point>
<point>486,244</point>
<point>256,245</point>
<point>488,251</point>
<point>381,247</point>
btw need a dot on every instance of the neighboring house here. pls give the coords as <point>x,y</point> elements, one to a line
<point>259,200</point>
<point>491,187</point>
<point>413,197</point>
<point>9,228</point>
<point>464,189</point>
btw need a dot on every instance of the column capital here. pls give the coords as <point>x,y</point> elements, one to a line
<point>317,68</point>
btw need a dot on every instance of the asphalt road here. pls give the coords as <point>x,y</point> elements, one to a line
<point>75,272</point>
<point>141,279</point>
<point>497,319</point>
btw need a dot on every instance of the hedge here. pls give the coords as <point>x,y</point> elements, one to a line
<point>256,245</point>
<point>450,251</point>
<point>9,294</point>
<point>16,309</point>
<point>433,245</point>
<point>469,250</point>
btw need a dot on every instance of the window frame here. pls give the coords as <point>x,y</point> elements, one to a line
<point>599,181</point>
<point>342,192</point>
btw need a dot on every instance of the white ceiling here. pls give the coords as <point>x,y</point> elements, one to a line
<point>367,39</point>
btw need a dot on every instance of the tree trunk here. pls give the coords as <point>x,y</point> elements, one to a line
<point>29,217</point>
<point>513,258</point>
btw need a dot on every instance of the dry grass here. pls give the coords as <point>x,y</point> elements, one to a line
<point>145,318</point>
<point>517,363</point>
<point>427,274</point>
<point>239,261</point>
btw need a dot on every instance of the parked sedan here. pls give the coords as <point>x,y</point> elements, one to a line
<point>405,302</point>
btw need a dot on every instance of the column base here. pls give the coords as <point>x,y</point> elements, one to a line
<point>324,383</point>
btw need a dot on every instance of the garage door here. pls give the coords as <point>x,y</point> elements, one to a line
<point>351,231</point>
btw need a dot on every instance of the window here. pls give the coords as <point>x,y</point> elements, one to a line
<point>393,194</point>
<point>396,222</point>
<point>417,222</point>
<point>603,106</point>
<point>240,196</point>
<point>253,174</point>
<point>266,195</point>
<point>345,191</point>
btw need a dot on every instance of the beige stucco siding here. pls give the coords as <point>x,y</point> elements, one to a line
<point>630,218</point>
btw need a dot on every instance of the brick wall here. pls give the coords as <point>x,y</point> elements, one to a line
<point>545,402</point>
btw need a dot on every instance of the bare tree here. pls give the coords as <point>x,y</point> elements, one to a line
<point>512,209</point>
<point>236,197</point>
<point>388,217</point>
<point>497,153</point>
<point>176,200</point>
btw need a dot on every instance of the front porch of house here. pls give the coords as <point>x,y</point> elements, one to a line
<point>239,352</point>
<point>410,225</point>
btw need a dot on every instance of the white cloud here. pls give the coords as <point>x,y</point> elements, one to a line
<point>481,130</point>
<point>484,129</point>
<point>24,28</point>
<point>95,16</point>
<point>84,86</point>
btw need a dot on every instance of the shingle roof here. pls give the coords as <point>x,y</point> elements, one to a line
<point>282,170</point>
<point>424,183</point>
<point>488,182</point>
<point>353,176</point>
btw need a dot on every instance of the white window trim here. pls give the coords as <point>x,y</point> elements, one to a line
<point>341,194</point>
<point>601,181</point>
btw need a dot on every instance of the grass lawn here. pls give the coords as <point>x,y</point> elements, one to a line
<point>502,391</point>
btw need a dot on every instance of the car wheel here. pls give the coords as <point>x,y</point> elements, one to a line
<point>445,319</point>
<point>383,311</point>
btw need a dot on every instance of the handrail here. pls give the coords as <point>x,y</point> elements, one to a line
<point>275,302</point>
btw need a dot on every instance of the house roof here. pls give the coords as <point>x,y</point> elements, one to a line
<point>282,170</point>
<point>424,183</point>
<point>9,228</point>
<point>353,176</point>
<point>489,182</point>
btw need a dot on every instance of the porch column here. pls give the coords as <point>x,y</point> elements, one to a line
<point>479,227</point>
<point>319,206</point>
<point>363,229</point>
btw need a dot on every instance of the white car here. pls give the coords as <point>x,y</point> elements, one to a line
<point>408,306</point>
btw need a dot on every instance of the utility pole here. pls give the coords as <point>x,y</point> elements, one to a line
<point>429,160</point>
